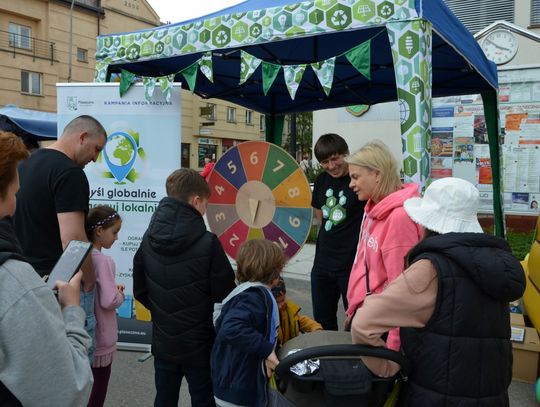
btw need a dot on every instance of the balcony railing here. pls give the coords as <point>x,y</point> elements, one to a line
<point>24,45</point>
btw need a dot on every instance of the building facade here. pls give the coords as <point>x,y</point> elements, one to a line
<point>35,39</point>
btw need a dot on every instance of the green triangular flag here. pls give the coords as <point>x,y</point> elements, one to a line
<point>206,66</point>
<point>190,73</point>
<point>325,72</point>
<point>248,65</point>
<point>293,76</point>
<point>269,73</point>
<point>149,84</point>
<point>360,58</point>
<point>126,80</point>
<point>165,83</point>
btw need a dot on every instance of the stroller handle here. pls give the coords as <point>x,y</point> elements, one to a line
<point>341,351</point>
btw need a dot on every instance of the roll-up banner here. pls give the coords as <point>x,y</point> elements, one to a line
<point>143,148</point>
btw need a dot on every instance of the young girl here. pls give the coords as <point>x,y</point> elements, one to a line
<point>102,227</point>
<point>246,328</point>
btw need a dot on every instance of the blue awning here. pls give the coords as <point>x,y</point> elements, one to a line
<point>28,123</point>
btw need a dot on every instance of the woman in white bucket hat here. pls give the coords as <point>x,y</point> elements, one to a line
<point>451,305</point>
<point>387,232</point>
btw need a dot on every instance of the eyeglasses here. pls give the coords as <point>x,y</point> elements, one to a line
<point>332,159</point>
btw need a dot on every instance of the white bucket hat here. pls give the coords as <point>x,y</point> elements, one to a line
<point>449,205</point>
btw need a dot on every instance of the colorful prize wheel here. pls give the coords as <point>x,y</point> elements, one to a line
<point>259,191</point>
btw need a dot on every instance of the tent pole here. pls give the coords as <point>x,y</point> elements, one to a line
<point>274,128</point>
<point>491,112</point>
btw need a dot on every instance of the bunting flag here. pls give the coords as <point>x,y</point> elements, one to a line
<point>248,65</point>
<point>269,73</point>
<point>325,72</point>
<point>360,58</point>
<point>190,73</point>
<point>126,80</point>
<point>165,83</point>
<point>149,86</point>
<point>206,66</point>
<point>293,76</point>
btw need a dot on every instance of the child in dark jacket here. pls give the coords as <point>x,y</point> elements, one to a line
<point>243,356</point>
<point>179,272</point>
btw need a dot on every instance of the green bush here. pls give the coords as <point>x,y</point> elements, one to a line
<point>313,172</point>
<point>520,243</point>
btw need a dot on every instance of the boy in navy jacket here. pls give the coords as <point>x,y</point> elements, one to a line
<point>246,322</point>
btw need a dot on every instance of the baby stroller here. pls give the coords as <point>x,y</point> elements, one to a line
<point>342,380</point>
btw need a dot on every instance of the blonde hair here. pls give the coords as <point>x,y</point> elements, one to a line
<point>376,156</point>
<point>259,260</point>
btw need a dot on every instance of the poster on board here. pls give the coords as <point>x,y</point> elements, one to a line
<point>460,145</point>
<point>143,148</point>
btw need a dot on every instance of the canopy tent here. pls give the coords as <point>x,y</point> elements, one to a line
<point>28,123</point>
<point>278,57</point>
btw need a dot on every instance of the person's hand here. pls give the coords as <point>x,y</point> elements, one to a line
<point>347,323</point>
<point>271,363</point>
<point>121,288</point>
<point>69,293</point>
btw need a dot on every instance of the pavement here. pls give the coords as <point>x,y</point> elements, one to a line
<point>132,378</point>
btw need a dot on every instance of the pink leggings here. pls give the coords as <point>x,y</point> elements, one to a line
<point>101,382</point>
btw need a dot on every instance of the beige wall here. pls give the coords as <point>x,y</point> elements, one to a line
<point>49,21</point>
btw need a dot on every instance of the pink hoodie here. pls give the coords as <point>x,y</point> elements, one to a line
<point>108,298</point>
<point>386,237</point>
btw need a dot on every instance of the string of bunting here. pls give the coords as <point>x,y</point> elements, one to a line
<point>359,57</point>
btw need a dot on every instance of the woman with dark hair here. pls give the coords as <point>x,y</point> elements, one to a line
<point>451,305</point>
<point>38,334</point>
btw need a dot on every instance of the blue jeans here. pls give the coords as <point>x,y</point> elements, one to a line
<point>168,378</point>
<point>326,288</point>
<point>87,304</point>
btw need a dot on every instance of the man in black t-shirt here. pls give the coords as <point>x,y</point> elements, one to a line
<point>54,194</point>
<point>339,213</point>
<point>53,199</point>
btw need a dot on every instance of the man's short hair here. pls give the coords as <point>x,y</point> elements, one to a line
<point>85,123</point>
<point>328,145</point>
<point>185,183</point>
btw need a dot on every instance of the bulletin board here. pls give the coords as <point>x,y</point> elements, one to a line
<point>460,143</point>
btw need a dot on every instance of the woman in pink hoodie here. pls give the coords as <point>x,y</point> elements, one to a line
<point>387,232</point>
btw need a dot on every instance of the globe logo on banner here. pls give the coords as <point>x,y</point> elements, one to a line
<point>120,153</point>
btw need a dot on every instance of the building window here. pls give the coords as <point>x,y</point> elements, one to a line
<point>20,36</point>
<point>535,12</point>
<point>249,117</point>
<point>262,123</point>
<point>206,149</point>
<point>31,82</point>
<point>211,110</point>
<point>231,115</point>
<point>478,14</point>
<point>82,55</point>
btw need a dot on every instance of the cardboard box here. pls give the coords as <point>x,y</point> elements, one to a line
<point>525,366</point>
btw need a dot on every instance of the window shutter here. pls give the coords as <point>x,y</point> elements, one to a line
<point>535,12</point>
<point>478,14</point>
